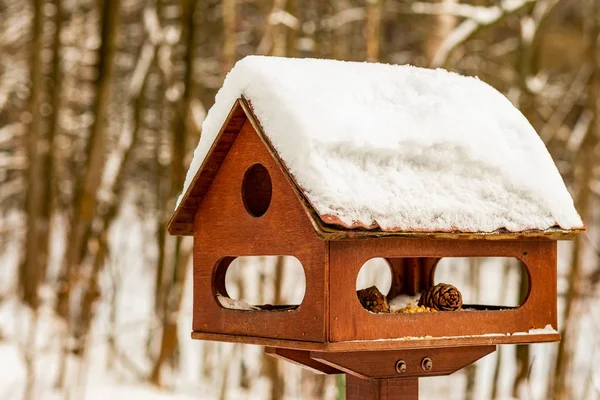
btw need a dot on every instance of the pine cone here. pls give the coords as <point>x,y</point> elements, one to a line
<point>442,297</point>
<point>373,300</point>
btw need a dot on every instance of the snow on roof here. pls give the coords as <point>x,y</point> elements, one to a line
<point>398,148</point>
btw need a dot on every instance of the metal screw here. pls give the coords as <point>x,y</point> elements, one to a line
<point>400,367</point>
<point>426,364</point>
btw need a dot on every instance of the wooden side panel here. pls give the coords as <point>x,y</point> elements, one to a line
<point>224,228</point>
<point>350,321</point>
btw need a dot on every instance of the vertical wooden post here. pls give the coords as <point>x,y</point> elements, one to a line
<point>411,275</point>
<point>381,389</point>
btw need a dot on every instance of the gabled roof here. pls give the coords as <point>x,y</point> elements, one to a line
<point>377,149</point>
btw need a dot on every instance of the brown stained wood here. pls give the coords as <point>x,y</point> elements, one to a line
<point>224,228</point>
<point>350,321</point>
<point>302,359</point>
<point>182,220</point>
<point>411,275</point>
<point>381,389</point>
<point>373,345</point>
<point>382,364</point>
<point>220,274</point>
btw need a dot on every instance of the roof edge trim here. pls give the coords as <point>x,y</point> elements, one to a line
<point>182,221</point>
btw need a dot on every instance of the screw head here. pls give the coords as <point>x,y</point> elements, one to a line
<point>400,367</point>
<point>426,364</point>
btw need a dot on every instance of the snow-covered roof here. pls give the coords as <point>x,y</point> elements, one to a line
<point>398,148</point>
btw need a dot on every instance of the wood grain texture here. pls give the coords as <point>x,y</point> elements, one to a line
<point>350,321</point>
<point>302,359</point>
<point>411,275</point>
<point>223,228</point>
<point>382,364</point>
<point>381,389</point>
<point>181,222</point>
<point>373,345</point>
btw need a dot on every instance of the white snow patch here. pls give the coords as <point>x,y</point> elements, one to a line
<point>402,147</point>
<point>548,329</point>
<point>233,304</point>
<point>544,331</point>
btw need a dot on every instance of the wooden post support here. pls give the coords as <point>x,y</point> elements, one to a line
<point>302,358</point>
<point>381,389</point>
<point>385,374</point>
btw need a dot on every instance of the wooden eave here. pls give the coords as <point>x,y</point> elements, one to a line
<point>326,227</point>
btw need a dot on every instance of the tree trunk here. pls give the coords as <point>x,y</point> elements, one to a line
<point>88,182</point>
<point>173,291</point>
<point>271,364</point>
<point>341,45</point>
<point>441,27</point>
<point>113,187</point>
<point>504,286</point>
<point>32,262</point>
<point>229,34</point>
<point>522,350</point>
<point>471,369</point>
<point>373,29</point>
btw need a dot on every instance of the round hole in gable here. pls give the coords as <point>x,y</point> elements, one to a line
<point>257,190</point>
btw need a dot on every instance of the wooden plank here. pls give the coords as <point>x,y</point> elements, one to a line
<point>224,228</point>
<point>350,321</point>
<point>374,345</point>
<point>181,222</point>
<point>382,364</point>
<point>381,389</point>
<point>302,359</point>
<point>411,275</point>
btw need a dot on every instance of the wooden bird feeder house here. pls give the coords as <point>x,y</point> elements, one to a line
<point>293,162</point>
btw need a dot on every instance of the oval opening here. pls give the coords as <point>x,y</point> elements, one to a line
<point>484,283</point>
<point>491,283</point>
<point>257,190</point>
<point>373,283</point>
<point>260,283</point>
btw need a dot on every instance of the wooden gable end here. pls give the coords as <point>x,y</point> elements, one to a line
<point>240,116</point>
<point>222,211</point>
<point>223,228</point>
<point>182,220</point>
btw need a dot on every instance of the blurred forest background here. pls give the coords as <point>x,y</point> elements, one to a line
<point>101,106</point>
